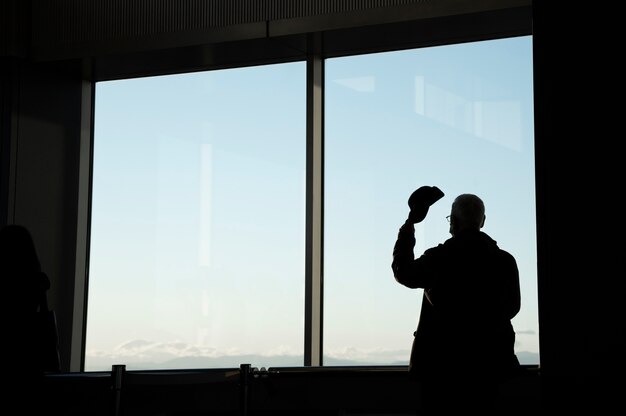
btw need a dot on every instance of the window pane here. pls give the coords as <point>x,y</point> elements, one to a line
<point>459,117</point>
<point>197,233</point>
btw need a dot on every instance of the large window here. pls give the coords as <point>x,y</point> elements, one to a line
<point>198,240</point>
<point>459,117</point>
<point>197,233</point>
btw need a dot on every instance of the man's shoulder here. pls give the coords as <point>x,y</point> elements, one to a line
<point>506,257</point>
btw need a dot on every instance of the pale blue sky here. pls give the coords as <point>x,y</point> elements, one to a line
<point>197,245</point>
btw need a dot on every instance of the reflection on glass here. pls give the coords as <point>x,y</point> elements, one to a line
<point>197,233</point>
<point>459,117</point>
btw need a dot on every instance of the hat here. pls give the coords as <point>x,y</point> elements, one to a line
<point>421,199</point>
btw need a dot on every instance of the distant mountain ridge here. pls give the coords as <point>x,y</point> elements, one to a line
<point>258,361</point>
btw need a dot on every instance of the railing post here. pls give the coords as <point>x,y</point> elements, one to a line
<point>244,385</point>
<point>117,373</point>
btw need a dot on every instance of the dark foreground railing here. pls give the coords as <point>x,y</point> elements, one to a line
<point>247,391</point>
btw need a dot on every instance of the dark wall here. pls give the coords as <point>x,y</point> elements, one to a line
<point>40,167</point>
<point>581,308</point>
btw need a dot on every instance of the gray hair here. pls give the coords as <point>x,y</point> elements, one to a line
<point>468,211</point>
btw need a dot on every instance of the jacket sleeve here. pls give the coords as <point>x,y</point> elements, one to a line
<point>403,254</point>
<point>514,301</point>
<point>407,270</point>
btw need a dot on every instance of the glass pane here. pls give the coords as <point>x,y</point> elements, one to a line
<point>459,117</point>
<point>197,232</point>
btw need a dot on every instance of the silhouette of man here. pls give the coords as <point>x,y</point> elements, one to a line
<point>464,343</point>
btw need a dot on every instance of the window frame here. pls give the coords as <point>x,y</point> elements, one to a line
<point>313,48</point>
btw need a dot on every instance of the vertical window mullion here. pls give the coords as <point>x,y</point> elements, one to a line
<point>314,212</point>
<point>79,320</point>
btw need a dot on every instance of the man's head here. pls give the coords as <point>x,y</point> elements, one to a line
<point>468,213</point>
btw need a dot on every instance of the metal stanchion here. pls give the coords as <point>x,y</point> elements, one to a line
<point>244,385</point>
<point>117,373</point>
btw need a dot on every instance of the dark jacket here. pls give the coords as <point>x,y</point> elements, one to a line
<point>471,293</point>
